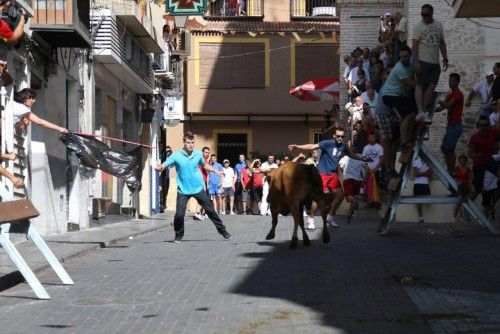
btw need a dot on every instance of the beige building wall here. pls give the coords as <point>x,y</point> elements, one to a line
<point>277,10</point>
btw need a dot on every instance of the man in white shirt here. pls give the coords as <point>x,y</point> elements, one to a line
<point>483,90</point>
<point>228,182</point>
<point>370,97</point>
<point>422,173</point>
<point>354,174</point>
<point>375,152</point>
<point>353,75</point>
<point>266,168</point>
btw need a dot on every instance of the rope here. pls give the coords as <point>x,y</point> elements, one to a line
<point>111,138</point>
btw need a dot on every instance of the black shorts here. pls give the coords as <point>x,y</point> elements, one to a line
<point>429,74</point>
<point>256,194</point>
<point>421,190</point>
<point>405,105</point>
<point>488,197</point>
<point>478,178</point>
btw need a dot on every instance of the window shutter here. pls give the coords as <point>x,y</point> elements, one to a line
<point>313,61</point>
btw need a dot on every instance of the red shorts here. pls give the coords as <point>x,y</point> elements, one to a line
<point>330,182</point>
<point>351,187</point>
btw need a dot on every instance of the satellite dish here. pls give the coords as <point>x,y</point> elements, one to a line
<point>172,122</point>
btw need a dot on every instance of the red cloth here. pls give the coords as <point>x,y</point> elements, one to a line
<point>462,175</point>
<point>482,146</point>
<point>351,187</point>
<point>245,179</point>
<point>5,30</point>
<point>257,180</point>
<point>330,181</point>
<point>455,112</point>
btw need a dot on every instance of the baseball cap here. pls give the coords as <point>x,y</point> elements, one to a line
<point>225,160</point>
<point>488,73</point>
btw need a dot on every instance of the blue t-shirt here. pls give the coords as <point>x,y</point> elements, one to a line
<point>331,153</point>
<point>239,167</point>
<point>189,178</point>
<point>213,178</point>
<point>394,85</point>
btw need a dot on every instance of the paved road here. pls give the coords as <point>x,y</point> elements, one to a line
<point>421,279</point>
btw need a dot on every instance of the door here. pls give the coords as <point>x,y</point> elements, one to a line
<point>231,145</point>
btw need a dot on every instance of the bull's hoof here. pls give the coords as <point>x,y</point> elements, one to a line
<point>270,236</point>
<point>294,243</point>
<point>307,242</point>
<point>326,236</point>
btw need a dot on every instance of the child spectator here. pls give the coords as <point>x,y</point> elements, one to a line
<point>375,152</point>
<point>354,173</point>
<point>214,185</point>
<point>422,173</point>
<point>228,187</point>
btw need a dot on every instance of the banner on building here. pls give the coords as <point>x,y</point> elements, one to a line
<point>186,7</point>
<point>94,154</point>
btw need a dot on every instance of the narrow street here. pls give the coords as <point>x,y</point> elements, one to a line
<point>429,278</point>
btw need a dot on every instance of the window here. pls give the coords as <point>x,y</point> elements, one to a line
<point>246,71</point>
<point>317,137</point>
<point>313,61</point>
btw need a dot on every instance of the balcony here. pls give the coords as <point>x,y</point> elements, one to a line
<point>62,23</point>
<point>132,15</point>
<point>230,9</point>
<point>313,9</point>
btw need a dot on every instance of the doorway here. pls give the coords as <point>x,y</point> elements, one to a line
<point>231,145</point>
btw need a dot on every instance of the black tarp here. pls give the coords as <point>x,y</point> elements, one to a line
<point>95,154</point>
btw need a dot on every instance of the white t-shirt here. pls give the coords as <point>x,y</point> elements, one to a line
<point>422,167</point>
<point>430,36</point>
<point>353,75</point>
<point>483,89</point>
<point>266,166</point>
<point>494,118</point>
<point>372,103</point>
<point>228,177</point>
<point>352,169</point>
<point>401,29</point>
<point>357,115</point>
<point>374,152</point>
<point>18,110</point>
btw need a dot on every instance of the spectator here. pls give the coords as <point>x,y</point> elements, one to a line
<point>374,152</point>
<point>215,185</point>
<point>490,183</point>
<point>23,116</point>
<point>376,71</point>
<point>5,77</point>
<point>463,176</point>
<point>354,111</point>
<point>239,167</point>
<point>495,88</point>
<point>266,168</point>
<point>359,86</point>
<point>354,173</point>
<point>241,7</point>
<point>313,158</point>
<point>366,58</point>
<point>385,27</point>
<point>353,75</point>
<point>395,95</point>
<point>370,96</point>
<point>359,137</point>
<point>200,212</point>
<point>483,89</point>
<point>11,28</point>
<point>246,187</point>
<point>257,183</point>
<point>350,62</point>
<point>494,119</point>
<point>164,177</point>
<point>386,55</point>
<point>428,40</point>
<point>286,158</point>
<point>301,158</point>
<point>422,173</point>
<point>278,162</point>
<point>399,34</point>
<point>481,147</point>
<point>358,52</point>
<point>368,120</point>
<point>228,187</point>
<point>454,102</point>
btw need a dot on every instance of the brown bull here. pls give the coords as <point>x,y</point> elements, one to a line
<point>293,186</point>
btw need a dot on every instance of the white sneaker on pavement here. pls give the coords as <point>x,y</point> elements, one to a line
<point>424,117</point>
<point>198,216</point>
<point>232,213</point>
<point>310,224</point>
<point>330,220</point>
<point>222,213</point>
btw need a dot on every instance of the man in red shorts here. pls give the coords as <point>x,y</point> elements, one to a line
<point>354,175</point>
<point>332,150</point>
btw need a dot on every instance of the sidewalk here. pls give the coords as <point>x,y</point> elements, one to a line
<point>69,245</point>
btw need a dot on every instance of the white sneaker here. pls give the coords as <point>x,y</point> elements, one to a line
<point>198,216</point>
<point>205,216</point>
<point>424,117</point>
<point>232,213</point>
<point>305,213</point>
<point>330,220</point>
<point>310,224</point>
<point>222,213</point>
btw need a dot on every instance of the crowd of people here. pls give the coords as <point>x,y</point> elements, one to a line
<point>391,90</point>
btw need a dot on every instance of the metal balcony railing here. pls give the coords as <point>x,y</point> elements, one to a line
<point>235,8</point>
<point>313,8</point>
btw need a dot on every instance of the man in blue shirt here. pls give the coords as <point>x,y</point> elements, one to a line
<point>239,167</point>
<point>332,150</point>
<point>190,184</point>
<point>214,184</point>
